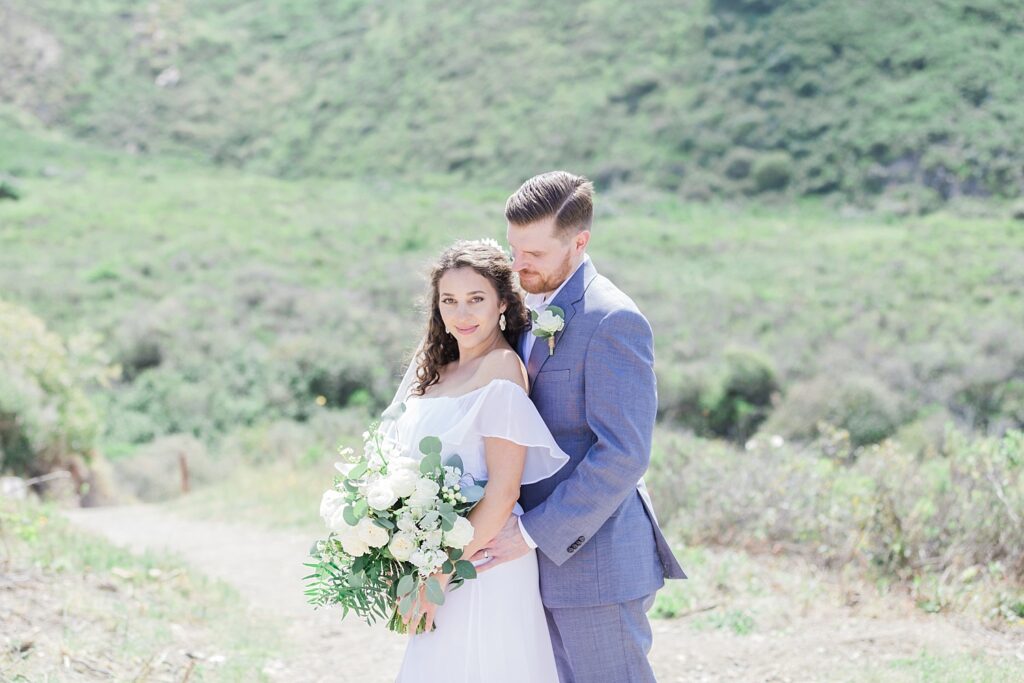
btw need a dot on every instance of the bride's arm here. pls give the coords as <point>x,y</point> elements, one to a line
<point>505,461</point>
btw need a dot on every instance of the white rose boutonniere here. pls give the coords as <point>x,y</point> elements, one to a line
<point>547,323</point>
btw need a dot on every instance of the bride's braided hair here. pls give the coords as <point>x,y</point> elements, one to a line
<point>489,260</point>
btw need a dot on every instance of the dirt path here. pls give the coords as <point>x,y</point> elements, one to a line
<point>816,642</point>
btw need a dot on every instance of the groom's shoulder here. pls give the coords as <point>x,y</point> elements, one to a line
<point>604,297</point>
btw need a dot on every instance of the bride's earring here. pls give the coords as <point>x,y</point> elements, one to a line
<point>501,322</point>
<point>447,330</point>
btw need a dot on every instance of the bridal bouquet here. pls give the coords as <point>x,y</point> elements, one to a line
<point>394,521</point>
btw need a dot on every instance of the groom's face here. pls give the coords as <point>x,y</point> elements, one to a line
<point>542,258</point>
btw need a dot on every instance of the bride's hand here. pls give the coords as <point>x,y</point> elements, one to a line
<point>423,607</point>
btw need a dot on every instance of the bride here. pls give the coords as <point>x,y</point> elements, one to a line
<point>470,389</point>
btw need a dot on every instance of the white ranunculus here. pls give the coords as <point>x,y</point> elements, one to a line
<point>403,462</point>
<point>336,522</point>
<point>432,539</point>
<point>380,495</point>
<point>406,522</point>
<point>402,546</point>
<point>403,482</point>
<point>331,502</point>
<point>460,535</point>
<point>451,476</point>
<point>371,534</point>
<point>421,558</point>
<point>425,493</point>
<point>549,322</point>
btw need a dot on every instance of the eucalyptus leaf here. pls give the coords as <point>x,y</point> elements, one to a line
<point>384,523</point>
<point>557,310</point>
<point>455,461</point>
<point>430,445</point>
<point>350,516</point>
<point>447,567</point>
<point>406,604</point>
<point>360,508</point>
<point>429,463</point>
<point>434,592</point>
<point>358,471</point>
<point>406,584</point>
<point>455,554</point>
<point>465,569</point>
<point>473,493</point>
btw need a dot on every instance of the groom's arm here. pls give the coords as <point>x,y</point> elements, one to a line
<point>621,405</point>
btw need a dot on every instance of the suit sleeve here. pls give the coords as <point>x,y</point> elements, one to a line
<point>621,405</point>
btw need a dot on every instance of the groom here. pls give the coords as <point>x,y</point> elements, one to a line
<point>602,555</point>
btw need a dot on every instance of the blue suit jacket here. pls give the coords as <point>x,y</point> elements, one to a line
<point>593,522</point>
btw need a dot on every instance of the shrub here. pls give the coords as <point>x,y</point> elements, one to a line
<point>46,417</point>
<point>773,172</point>
<point>955,517</point>
<point>863,406</point>
<point>740,399</point>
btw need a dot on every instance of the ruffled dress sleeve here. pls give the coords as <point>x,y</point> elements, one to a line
<point>502,409</point>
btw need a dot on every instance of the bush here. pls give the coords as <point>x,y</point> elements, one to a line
<point>46,417</point>
<point>773,172</point>
<point>955,517</point>
<point>864,407</point>
<point>740,399</point>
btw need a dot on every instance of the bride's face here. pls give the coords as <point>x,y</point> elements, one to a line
<point>469,306</point>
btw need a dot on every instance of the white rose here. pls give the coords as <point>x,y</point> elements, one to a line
<point>425,494</point>
<point>331,502</point>
<point>371,534</point>
<point>549,322</point>
<point>402,546</point>
<point>460,535</point>
<point>351,542</point>
<point>380,496</point>
<point>403,482</point>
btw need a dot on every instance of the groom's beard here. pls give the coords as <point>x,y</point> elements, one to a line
<point>534,283</point>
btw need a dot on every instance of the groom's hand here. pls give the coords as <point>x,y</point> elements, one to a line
<point>508,545</point>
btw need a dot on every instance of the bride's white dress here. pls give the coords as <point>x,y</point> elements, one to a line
<point>492,628</point>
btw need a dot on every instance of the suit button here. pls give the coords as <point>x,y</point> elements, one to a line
<point>580,539</point>
<point>571,549</point>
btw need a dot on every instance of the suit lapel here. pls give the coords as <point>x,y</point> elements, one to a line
<point>567,299</point>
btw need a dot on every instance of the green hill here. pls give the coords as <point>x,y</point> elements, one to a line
<point>715,98</point>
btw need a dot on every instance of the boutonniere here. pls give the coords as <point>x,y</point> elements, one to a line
<point>546,324</point>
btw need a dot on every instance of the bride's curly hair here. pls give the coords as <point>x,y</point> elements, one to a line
<point>490,261</point>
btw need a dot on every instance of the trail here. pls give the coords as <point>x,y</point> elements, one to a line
<point>828,643</point>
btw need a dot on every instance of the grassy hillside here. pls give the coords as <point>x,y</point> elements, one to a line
<point>231,299</point>
<point>704,98</point>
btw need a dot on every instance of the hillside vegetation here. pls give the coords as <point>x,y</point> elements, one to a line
<point>918,102</point>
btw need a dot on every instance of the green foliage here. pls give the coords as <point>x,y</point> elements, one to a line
<point>827,95</point>
<point>862,406</point>
<point>741,396</point>
<point>943,524</point>
<point>45,413</point>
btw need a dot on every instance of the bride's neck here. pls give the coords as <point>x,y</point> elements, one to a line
<point>480,350</point>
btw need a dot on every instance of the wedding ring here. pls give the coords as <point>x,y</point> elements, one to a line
<point>487,555</point>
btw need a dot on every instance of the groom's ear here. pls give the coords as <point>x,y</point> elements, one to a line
<point>581,240</point>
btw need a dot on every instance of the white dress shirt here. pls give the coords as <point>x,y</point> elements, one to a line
<point>539,303</point>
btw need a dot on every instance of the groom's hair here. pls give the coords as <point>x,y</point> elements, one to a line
<point>566,196</point>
